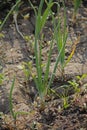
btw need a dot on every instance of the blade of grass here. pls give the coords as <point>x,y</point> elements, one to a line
<point>60,35</point>
<point>12,9</point>
<point>10,99</point>
<point>48,65</point>
<point>46,14</point>
<point>76,5</point>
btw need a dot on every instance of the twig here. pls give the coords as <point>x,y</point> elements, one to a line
<point>16,24</point>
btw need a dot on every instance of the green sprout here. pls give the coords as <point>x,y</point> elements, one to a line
<point>77,4</point>
<point>75,85</point>
<point>63,95</point>
<point>13,113</point>
<point>1,78</point>
<point>65,102</point>
<point>82,77</point>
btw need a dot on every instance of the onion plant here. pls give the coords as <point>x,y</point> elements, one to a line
<point>43,82</point>
<point>60,35</point>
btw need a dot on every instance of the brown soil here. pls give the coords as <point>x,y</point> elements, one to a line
<point>14,50</point>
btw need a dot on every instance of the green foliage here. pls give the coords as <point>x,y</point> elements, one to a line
<point>62,95</point>
<point>40,22</point>
<point>43,83</point>
<point>1,78</point>
<point>77,3</point>
<point>80,78</point>
<point>27,68</point>
<point>13,113</point>
<point>10,100</point>
<point>65,102</point>
<point>75,85</point>
<point>60,35</point>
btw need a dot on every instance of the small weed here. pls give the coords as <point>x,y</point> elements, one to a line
<point>82,77</point>
<point>75,85</point>
<point>62,93</point>
<point>76,82</point>
<point>1,78</point>
<point>27,68</point>
<point>65,102</point>
<point>65,98</point>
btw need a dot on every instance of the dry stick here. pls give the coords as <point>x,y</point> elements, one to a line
<point>73,50</point>
<point>16,24</point>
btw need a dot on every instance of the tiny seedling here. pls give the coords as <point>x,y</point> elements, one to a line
<point>65,98</point>
<point>75,85</point>
<point>27,69</point>
<point>82,77</point>
<point>65,102</point>
<point>62,93</point>
<point>76,82</point>
<point>13,113</point>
